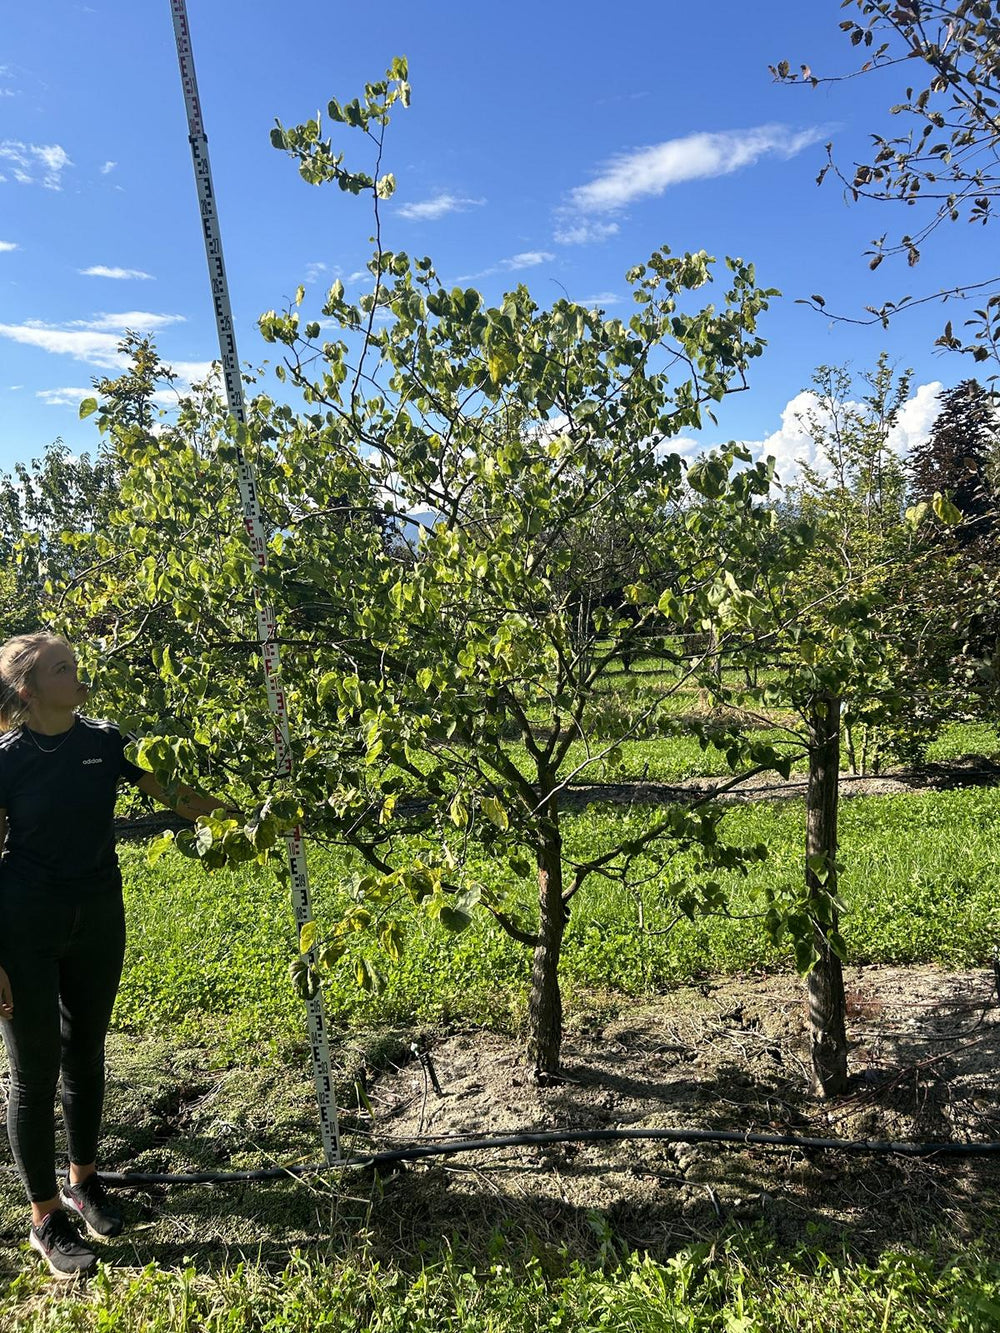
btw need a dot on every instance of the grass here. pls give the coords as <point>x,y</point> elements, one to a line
<point>206,992</point>
<point>737,1284</point>
<point>921,882</point>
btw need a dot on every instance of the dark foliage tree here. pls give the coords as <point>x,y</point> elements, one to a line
<point>959,459</point>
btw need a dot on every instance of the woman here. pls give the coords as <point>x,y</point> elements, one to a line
<point>62,931</point>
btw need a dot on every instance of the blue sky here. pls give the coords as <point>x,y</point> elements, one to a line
<point>551,143</point>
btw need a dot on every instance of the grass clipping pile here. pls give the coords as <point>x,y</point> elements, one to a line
<point>732,1056</point>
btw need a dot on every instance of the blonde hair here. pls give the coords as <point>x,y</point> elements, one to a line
<point>18,659</point>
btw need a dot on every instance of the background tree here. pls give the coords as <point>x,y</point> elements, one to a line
<point>44,504</point>
<point>859,647</point>
<point>959,458</point>
<point>856,496</point>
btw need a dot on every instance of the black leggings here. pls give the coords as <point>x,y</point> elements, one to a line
<point>64,957</point>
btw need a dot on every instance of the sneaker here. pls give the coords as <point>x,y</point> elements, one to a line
<point>58,1242</point>
<point>91,1201</point>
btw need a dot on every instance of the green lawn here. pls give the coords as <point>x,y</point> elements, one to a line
<point>921,882</point>
<point>206,989</point>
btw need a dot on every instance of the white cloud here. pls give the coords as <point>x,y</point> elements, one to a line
<point>72,397</point>
<point>601,300</point>
<point>916,418</point>
<point>95,341</point>
<point>35,164</point>
<point>7,245</point>
<point>192,371</point>
<point>429,210</point>
<point>791,444</point>
<point>651,171</point>
<point>527,259</point>
<point>102,271</point>
<point>581,233</point>
<point>108,166</point>
<point>97,349</point>
<point>142,321</point>
<point>358,274</point>
<point>316,269</point>
<point>63,397</point>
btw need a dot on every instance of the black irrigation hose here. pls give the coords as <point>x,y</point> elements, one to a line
<point>877,1147</point>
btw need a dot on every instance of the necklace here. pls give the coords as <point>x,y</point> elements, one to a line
<point>41,748</point>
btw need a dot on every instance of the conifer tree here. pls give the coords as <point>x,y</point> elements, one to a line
<point>959,459</point>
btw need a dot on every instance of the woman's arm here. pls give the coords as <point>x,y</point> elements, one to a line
<point>189,803</point>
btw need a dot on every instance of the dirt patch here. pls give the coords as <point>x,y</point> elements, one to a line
<point>727,1056</point>
<point>967,771</point>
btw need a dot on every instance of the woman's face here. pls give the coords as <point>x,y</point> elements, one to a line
<point>54,681</point>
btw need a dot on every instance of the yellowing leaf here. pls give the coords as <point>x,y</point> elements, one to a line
<point>495,813</point>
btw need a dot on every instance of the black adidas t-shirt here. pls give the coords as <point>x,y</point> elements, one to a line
<point>60,806</point>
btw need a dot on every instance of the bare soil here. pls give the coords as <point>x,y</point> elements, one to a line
<point>727,1055</point>
<point>971,770</point>
<point>731,1055</point>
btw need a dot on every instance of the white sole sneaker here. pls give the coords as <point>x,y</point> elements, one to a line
<point>59,1273</point>
<point>71,1207</point>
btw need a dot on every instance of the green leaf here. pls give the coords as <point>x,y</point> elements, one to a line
<point>331,952</point>
<point>393,940</point>
<point>329,684</point>
<point>307,936</point>
<point>159,847</point>
<point>916,514</point>
<point>87,408</point>
<point>946,511</point>
<point>304,978</point>
<point>363,974</point>
<point>819,865</point>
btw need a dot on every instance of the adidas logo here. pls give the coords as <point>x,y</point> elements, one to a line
<point>93,761</point>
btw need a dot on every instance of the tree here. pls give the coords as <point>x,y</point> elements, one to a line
<point>959,458</point>
<point>43,505</point>
<point>857,633</point>
<point>446,694</point>
<point>945,163</point>
<point>856,497</point>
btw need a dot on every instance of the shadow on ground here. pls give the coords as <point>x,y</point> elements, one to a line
<point>926,1047</point>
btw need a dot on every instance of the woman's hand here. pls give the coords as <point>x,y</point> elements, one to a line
<point>6,999</point>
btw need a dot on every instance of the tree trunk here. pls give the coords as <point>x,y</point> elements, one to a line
<point>827,1016</point>
<point>545,1001</point>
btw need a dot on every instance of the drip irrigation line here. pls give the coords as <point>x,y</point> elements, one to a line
<point>392,1156</point>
